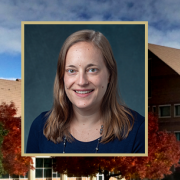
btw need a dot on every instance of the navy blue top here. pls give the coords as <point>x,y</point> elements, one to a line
<point>134,143</point>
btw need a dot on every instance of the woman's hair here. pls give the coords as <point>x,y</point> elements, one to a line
<point>117,118</point>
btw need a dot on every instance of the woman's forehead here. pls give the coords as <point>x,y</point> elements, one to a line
<point>83,52</point>
<point>83,46</point>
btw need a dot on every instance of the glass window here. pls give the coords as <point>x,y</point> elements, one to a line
<point>7,176</point>
<point>4,176</point>
<point>15,176</point>
<point>165,111</point>
<point>56,174</point>
<point>39,173</point>
<point>39,162</point>
<point>47,162</point>
<point>47,172</point>
<point>44,168</point>
<point>26,176</point>
<point>177,110</point>
<point>100,176</point>
<point>177,135</point>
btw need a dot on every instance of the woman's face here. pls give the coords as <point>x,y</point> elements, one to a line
<point>86,76</point>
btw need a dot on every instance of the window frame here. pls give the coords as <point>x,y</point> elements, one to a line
<point>97,176</point>
<point>159,111</point>
<point>43,168</point>
<point>14,178</point>
<point>175,134</point>
<point>175,110</point>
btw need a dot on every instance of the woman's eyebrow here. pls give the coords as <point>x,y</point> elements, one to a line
<point>86,66</point>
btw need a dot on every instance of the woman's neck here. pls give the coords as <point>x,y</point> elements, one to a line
<point>86,117</point>
<point>85,126</point>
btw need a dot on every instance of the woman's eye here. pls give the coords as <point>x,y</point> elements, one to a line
<point>71,71</point>
<point>93,70</point>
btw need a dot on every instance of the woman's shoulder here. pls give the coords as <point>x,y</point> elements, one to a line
<point>137,134</point>
<point>138,118</point>
<point>36,133</point>
<point>40,120</point>
<point>139,123</point>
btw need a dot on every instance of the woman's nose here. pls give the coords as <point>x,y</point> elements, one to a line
<point>82,79</point>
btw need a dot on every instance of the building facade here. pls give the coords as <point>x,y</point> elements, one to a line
<point>11,91</point>
<point>164,90</point>
<point>44,171</point>
<point>164,86</point>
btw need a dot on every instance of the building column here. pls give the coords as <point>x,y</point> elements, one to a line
<point>63,176</point>
<point>31,173</point>
<point>92,177</point>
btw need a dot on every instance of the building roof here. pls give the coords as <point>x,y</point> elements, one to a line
<point>170,56</point>
<point>11,91</point>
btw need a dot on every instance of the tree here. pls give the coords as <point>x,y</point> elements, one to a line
<point>3,133</point>
<point>13,162</point>
<point>163,153</point>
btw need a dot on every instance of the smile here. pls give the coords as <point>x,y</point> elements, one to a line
<point>83,93</point>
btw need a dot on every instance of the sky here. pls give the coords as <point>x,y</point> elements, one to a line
<point>163,22</point>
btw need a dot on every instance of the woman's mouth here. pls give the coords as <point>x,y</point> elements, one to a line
<point>83,93</point>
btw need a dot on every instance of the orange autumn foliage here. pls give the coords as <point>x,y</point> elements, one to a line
<point>163,153</point>
<point>13,162</point>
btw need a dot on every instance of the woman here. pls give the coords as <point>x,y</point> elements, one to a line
<point>87,115</point>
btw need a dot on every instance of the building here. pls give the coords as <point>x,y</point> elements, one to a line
<point>44,170</point>
<point>11,91</point>
<point>164,90</point>
<point>164,86</point>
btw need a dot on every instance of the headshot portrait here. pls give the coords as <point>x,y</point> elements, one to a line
<point>84,89</point>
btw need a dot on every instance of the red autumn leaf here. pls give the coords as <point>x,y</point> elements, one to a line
<point>13,162</point>
<point>163,153</point>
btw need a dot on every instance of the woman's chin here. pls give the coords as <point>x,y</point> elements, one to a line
<point>83,106</point>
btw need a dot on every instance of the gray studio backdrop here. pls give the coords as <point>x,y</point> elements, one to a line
<point>42,46</point>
